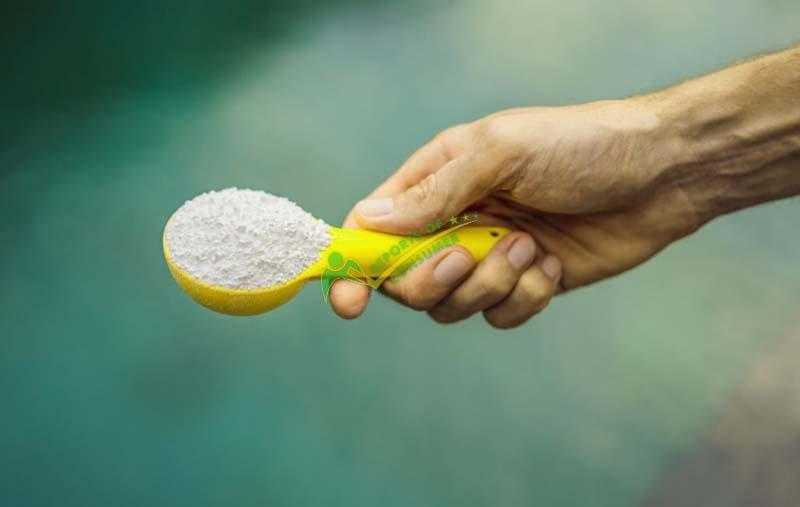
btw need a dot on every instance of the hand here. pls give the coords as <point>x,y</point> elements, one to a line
<point>577,183</point>
<point>592,190</point>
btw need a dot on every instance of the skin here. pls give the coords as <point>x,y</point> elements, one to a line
<point>591,190</point>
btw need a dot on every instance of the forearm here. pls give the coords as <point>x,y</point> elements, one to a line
<point>733,137</point>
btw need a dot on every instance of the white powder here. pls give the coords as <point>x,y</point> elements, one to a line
<point>244,239</point>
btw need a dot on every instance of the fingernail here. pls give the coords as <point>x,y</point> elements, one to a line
<point>375,207</point>
<point>521,253</point>
<point>451,269</point>
<point>551,266</point>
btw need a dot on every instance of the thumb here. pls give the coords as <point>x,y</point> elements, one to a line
<point>441,194</point>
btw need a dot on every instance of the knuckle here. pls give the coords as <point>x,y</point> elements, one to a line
<point>457,130</point>
<point>490,289</point>
<point>493,130</point>
<point>446,137</point>
<point>499,136</point>
<point>417,303</point>
<point>537,288</point>
<point>499,321</point>
<point>427,198</point>
<point>415,297</point>
<point>424,191</point>
<point>442,317</point>
<point>451,140</point>
<point>453,132</point>
<point>481,288</point>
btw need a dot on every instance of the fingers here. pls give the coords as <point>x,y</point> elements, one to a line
<point>430,282</point>
<point>531,295</point>
<point>349,299</point>
<point>491,282</point>
<point>510,286</point>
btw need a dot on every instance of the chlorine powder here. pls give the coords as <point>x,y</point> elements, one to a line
<point>244,239</point>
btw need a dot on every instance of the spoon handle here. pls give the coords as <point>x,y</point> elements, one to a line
<point>379,255</point>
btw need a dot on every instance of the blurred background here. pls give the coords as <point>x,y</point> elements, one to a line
<point>671,385</point>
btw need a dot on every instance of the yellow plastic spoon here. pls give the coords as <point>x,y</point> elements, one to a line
<point>362,246</point>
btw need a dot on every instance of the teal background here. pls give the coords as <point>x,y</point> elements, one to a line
<point>118,390</point>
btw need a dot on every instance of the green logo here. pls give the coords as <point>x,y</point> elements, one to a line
<point>349,269</point>
<point>346,269</point>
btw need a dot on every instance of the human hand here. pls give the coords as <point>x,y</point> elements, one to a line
<point>582,186</point>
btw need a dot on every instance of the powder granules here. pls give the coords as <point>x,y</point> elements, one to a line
<point>244,239</point>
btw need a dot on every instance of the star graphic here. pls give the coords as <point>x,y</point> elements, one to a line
<point>453,220</point>
<point>465,218</point>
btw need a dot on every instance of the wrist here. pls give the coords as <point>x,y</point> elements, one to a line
<point>688,146</point>
<point>730,140</point>
<point>664,167</point>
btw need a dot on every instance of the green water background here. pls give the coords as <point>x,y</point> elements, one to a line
<point>118,390</point>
